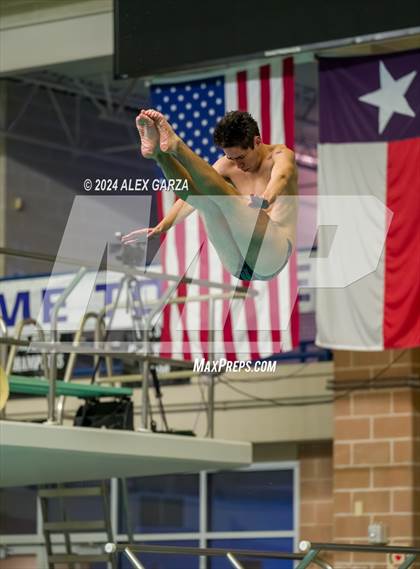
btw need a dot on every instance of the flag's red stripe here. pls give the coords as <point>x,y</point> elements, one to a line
<point>273,285</point>
<point>251,324</point>
<point>242,95</point>
<point>165,340</point>
<point>294,300</point>
<point>289,133</point>
<point>180,242</point>
<point>204,274</point>
<point>288,102</point>
<point>401,325</point>
<point>251,316</point>
<point>273,292</point>
<point>265,102</point>
<point>227,324</point>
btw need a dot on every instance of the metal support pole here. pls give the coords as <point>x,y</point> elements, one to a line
<point>134,561</point>
<point>323,564</point>
<point>145,404</point>
<point>3,347</point>
<point>126,509</point>
<point>146,363</point>
<point>54,336</point>
<point>68,373</point>
<point>408,562</point>
<point>211,352</point>
<point>234,561</point>
<point>145,391</point>
<point>308,559</point>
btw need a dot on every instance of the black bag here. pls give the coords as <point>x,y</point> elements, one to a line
<point>97,414</point>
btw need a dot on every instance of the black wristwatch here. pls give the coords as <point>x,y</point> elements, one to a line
<point>258,202</point>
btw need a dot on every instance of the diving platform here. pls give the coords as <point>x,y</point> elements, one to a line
<point>32,453</point>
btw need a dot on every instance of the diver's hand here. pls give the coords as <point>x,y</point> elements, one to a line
<point>137,234</point>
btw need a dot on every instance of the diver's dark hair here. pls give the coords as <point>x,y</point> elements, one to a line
<point>236,128</point>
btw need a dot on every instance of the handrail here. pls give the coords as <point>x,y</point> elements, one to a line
<point>72,359</point>
<point>355,548</point>
<point>308,552</point>
<point>3,347</point>
<point>138,377</point>
<point>8,359</point>
<point>3,327</point>
<point>232,295</point>
<point>199,551</point>
<point>14,347</point>
<point>146,358</point>
<point>113,349</point>
<point>127,270</point>
<point>4,392</point>
<point>312,551</point>
<point>10,341</point>
<point>54,335</point>
<point>100,334</point>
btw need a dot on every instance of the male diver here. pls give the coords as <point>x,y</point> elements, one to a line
<point>247,199</point>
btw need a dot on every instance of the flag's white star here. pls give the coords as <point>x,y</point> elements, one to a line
<point>390,98</point>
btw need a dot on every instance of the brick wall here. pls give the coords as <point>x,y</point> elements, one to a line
<point>316,492</point>
<point>376,451</point>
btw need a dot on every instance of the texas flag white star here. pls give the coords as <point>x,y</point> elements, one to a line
<point>390,98</point>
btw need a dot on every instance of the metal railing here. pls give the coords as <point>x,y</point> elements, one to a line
<point>145,355</point>
<point>15,347</point>
<point>308,554</point>
<point>68,374</point>
<point>230,554</point>
<point>312,551</point>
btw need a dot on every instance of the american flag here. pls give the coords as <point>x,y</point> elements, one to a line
<point>258,326</point>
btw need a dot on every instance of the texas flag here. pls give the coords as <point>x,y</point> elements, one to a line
<point>370,146</point>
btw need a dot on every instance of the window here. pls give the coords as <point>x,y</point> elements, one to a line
<point>162,504</point>
<point>78,508</point>
<point>22,519</point>
<point>253,508</point>
<point>254,500</point>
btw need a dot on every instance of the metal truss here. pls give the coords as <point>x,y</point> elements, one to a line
<point>115,102</point>
<point>112,103</point>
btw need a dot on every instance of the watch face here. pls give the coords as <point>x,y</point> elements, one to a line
<point>258,202</point>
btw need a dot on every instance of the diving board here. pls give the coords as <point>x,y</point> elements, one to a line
<point>40,386</point>
<point>31,453</point>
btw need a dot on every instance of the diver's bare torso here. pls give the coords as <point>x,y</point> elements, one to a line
<point>282,212</point>
<point>248,183</point>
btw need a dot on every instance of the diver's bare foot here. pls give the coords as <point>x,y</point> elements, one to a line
<point>149,135</point>
<point>168,139</point>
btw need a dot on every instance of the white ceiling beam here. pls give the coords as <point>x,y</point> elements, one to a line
<point>48,43</point>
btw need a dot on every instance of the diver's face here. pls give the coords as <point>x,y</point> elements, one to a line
<point>244,158</point>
